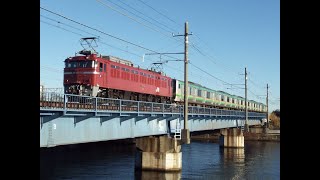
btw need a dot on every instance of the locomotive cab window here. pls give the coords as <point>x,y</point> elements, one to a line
<point>100,67</point>
<point>68,64</point>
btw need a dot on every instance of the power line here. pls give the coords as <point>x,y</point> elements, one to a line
<point>68,25</point>
<point>210,57</point>
<point>193,45</point>
<point>60,27</point>
<point>209,74</point>
<point>218,78</point>
<point>107,5</point>
<point>99,31</point>
<point>114,38</point>
<point>230,70</point>
<point>146,16</point>
<point>160,13</point>
<point>120,39</point>
<point>91,33</point>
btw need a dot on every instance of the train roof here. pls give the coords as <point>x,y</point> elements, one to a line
<point>118,60</point>
<point>219,91</point>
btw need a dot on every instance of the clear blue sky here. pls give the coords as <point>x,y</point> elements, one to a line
<point>227,36</point>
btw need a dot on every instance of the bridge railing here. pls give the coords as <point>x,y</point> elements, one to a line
<point>67,102</point>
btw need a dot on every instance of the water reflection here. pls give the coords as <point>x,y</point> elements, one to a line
<point>235,155</point>
<point>200,160</point>
<point>157,175</point>
<point>234,160</point>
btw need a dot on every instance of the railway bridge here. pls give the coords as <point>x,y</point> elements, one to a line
<point>71,119</point>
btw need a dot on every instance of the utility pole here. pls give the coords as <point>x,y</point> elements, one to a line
<point>185,136</point>
<point>267,107</point>
<point>246,126</point>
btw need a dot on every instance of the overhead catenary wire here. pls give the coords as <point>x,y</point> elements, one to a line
<point>124,14</point>
<point>197,49</point>
<point>107,34</point>
<point>109,45</point>
<point>161,14</point>
<point>118,39</point>
<point>59,22</point>
<point>91,34</point>
<point>170,30</point>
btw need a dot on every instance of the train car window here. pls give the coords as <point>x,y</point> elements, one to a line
<point>179,86</point>
<point>228,99</point>
<point>199,92</point>
<point>222,97</point>
<point>232,100</point>
<point>208,95</point>
<point>190,91</point>
<point>112,66</point>
<point>100,67</point>
<point>104,67</point>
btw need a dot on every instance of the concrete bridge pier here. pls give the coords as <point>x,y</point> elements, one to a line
<point>158,153</point>
<point>231,138</point>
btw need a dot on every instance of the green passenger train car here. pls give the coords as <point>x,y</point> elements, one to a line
<point>199,95</point>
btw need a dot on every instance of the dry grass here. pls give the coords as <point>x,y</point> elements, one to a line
<point>275,120</point>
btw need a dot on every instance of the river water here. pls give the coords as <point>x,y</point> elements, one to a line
<point>200,160</point>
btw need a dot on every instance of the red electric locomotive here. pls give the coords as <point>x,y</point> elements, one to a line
<point>91,74</point>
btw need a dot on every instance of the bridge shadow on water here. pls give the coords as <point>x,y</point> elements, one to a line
<point>101,160</point>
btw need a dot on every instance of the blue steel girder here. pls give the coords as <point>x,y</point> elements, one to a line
<point>81,118</point>
<point>150,118</point>
<point>107,118</point>
<point>140,117</point>
<point>125,118</point>
<point>169,118</point>
<point>46,116</point>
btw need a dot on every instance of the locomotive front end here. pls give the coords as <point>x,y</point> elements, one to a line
<point>79,75</point>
